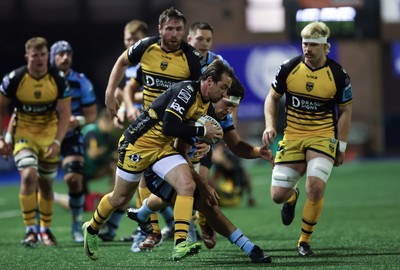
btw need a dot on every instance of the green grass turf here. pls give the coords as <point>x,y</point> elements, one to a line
<point>359,229</point>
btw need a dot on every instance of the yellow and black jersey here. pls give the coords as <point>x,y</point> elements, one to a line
<point>161,69</point>
<point>312,97</point>
<point>168,115</point>
<point>35,100</point>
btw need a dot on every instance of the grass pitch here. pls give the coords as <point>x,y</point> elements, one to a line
<point>359,229</point>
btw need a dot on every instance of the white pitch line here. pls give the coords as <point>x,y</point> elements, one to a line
<point>9,214</point>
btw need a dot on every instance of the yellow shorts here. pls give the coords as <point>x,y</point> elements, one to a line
<point>135,158</point>
<point>290,151</point>
<point>36,138</point>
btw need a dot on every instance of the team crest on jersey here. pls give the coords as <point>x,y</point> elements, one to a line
<point>164,65</point>
<point>309,86</point>
<point>135,157</point>
<point>332,143</point>
<point>37,94</point>
<point>332,148</point>
<point>152,114</point>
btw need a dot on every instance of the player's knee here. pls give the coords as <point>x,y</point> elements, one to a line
<point>279,194</point>
<point>315,189</point>
<point>319,167</point>
<point>73,178</point>
<point>185,187</point>
<point>25,160</point>
<point>119,198</point>
<point>73,167</point>
<point>284,177</point>
<point>73,173</point>
<point>47,174</point>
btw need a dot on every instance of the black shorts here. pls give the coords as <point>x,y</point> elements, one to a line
<point>206,161</point>
<point>73,145</point>
<point>160,187</point>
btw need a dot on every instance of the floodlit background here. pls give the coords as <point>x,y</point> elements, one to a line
<point>255,36</point>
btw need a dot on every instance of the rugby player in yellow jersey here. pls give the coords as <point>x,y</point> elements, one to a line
<point>147,142</point>
<point>318,116</point>
<point>165,59</point>
<point>43,108</point>
<point>222,112</point>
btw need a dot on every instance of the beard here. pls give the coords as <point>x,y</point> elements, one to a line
<point>172,46</point>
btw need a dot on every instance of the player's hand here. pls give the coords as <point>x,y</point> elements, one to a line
<point>266,154</point>
<point>5,149</point>
<point>132,113</point>
<point>112,105</point>
<point>202,149</point>
<point>73,122</point>
<point>268,137</point>
<point>209,196</point>
<point>120,119</point>
<point>339,159</point>
<point>117,123</point>
<point>121,114</point>
<point>52,150</point>
<point>213,132</point>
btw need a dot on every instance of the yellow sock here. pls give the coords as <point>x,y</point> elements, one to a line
<point>182,213</point>
<point>28,207</point>
<point>138,200</point>
<point>195,218</point>
<point>103,212</point>
<point>311,213</point>
<point>292,198</point>
<point>46,211</point>
<point>202,219</point>
<point>154,223</point>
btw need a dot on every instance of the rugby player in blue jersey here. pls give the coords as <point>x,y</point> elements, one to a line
<point>83,111</point>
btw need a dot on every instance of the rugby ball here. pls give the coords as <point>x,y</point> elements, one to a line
<point>200,122</point>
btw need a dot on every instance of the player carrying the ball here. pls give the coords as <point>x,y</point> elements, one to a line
<point>147,143</point>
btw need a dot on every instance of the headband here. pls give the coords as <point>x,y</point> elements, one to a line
<point>232,99</point>
<point>320,40</point>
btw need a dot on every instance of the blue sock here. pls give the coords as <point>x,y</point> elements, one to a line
<point>114,221</point>
<point>168,215</point>
<point>144,211</point>
<point>192,232</point>
<point>241,241</point>
<point>76,203</point>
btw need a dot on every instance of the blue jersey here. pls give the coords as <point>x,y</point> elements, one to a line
<point>82,94</point>
<point>212,56</point>
<point>131,72</point>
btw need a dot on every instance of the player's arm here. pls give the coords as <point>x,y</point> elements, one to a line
<point>64,113</point>
<point>175,112</point>
<point>116,75</point>
<point>245,150</point>
<point>4,102</point>
<point>90,114</point>
<point>344,123</point>
<point>271,106</point>
<point>5,148</point>
<point>131,89</point>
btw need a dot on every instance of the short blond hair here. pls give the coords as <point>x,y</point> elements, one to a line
<point>35,42</point>
<point>136,26</point>
<point>317,30</point>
